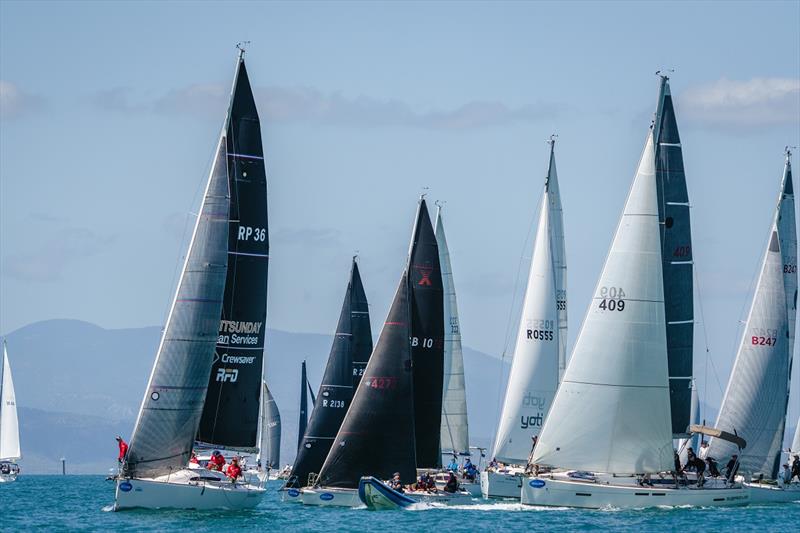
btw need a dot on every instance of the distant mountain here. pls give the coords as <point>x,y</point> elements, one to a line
<point>79,385</point>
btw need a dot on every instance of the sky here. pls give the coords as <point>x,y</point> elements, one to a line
<point>110,112</point>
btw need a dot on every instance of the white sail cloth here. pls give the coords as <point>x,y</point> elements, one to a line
<point>9,424</point>
<point>269,430</point>
<point>754,405</point>
<point>612,411</point>
<point>455,429</point>
<point>539,349</point>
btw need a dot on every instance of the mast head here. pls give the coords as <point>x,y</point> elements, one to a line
<point>242,47</point>
<point>787,151</point>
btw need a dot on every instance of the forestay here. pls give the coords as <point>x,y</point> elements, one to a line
<point>9,423</point>
<point>538,353</point>
<point>455,429</point>
<point>754,405</point>
<point>176,391</point>
<point>611,412</point>
<point>230,417</point>
<point>676,246</point>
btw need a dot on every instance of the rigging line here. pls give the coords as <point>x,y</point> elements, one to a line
<point>705,333</point>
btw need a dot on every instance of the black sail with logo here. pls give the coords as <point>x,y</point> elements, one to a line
<point>377,435</point>
<point>676,254</point>
<point>427,339</point>
<point>231,411</point>
<point>352,346</point>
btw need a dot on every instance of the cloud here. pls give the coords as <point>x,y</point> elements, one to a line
<point>14,102</point>
<point>48,263</point>
<point>304,104</point>
<point>749,103</point>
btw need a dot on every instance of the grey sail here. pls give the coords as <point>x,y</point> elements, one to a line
<point>754,406</point>
<point>270,443</point>
<point>173,401</point>
<point>676,255</point>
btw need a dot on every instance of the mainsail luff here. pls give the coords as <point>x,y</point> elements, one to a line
<point>535,368</point>
<point>455,428</point>
<point>377,435</point>
<point>352,346</point>
<point>676,249</point>
<point>558,254</point>
<point>170,412</point>
<point>9,422</point>
<point>231,413</point>
<point>612,411</point>
<point>426,303</point>
<point>754,405</point>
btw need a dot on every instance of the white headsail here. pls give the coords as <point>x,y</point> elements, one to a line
<point>455,431</point>
<point>539,350</point>
<point>612,410</point>
<point>9,424</point>
<point>796,440</point>
<point>757,394</point>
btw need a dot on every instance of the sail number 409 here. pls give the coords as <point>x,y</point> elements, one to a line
<point>612,299</point>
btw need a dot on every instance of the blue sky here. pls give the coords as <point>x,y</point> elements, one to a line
<point>110,112</point>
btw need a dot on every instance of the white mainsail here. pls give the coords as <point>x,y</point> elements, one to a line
<point>796,440</point>
<point>269,437</point>
<point>757,395</point>
<point>612,410</point>
<point>539,350</point>
<point>455,430</point>
<point>9,424</point>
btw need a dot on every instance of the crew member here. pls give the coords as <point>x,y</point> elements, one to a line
<point>732,468</point>
<point>470,472</point>
<point>193,459</point>
<point>795,468</point>
<point>452,483</point>
<point>395,483</point>
<point>234,471</point>
<point>123,449</point>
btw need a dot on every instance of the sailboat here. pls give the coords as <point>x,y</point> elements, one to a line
<point>756,399</point>
<point>350,352</point>
<point>455,427</point>
<point>206,379</point>
<point>268,458</point>
<point>394,421</point>
<point>610,429</point>
<point>539,354</point>
<point>9,424</point>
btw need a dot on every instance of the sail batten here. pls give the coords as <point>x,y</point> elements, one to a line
<point>539,354</point>
<point>455,427</point>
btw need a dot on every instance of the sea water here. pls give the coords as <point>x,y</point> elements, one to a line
<point>82,503</point>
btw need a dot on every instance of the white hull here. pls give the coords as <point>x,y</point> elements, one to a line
<point>291,495</point>
<point>330,497</point>
<point>501,484</point>
<point>8,478</point>
<point>591,495</point>
<point>186,490</point>
<point>772,493</point>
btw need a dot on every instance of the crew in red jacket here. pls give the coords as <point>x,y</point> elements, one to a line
<point>123,449</point>
<point>234,470</point>
<point>217,462</point>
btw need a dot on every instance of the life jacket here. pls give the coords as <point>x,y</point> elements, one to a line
<point>234,471</point>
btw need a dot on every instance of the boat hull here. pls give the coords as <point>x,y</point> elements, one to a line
<point>506,485</point>
<point>760,493</point>
<point>330,497</point>
<point>589,495</point>
<point>185,492</point>
<point>376,495</point>
<point>8,478</point>
<point>290,495</point>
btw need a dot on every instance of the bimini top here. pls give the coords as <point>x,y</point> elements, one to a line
<point>718,433</point>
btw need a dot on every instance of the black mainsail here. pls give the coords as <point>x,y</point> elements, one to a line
<point>303,422</point>
<point>427,339</point>
<point>676,254</point>
<point>231,413</point>
<point>352,346</point>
